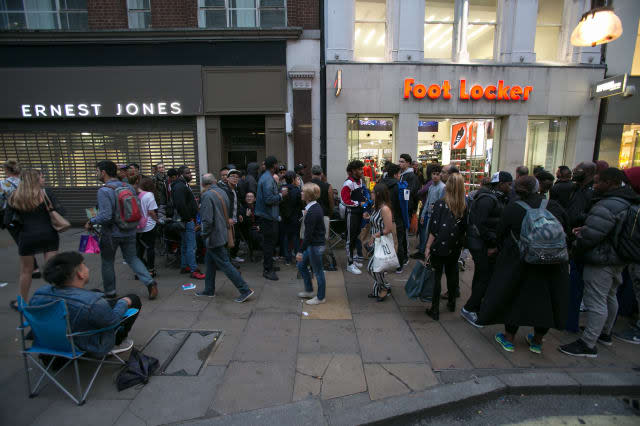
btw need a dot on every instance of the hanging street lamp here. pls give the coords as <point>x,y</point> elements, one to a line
<point>600,25</point>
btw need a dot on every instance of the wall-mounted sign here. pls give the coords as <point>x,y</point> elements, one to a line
<point>499,92</point>
<point>131,109</point>
<point>609,87</point>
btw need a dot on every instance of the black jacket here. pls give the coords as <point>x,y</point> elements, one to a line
<point>313,227</point>
<point>161,193</point>
<point>579,204</point>
<point>232,199</point>
<point>250,182</point>
<point>392,186</point>
<point>561,192</point>
<point>449,231</point>
<point>594,244</point>
<point>291,205</point>
<point>324,195</point>
<point>414,186</point>
<point>484,216</point>
<point>183,200</point>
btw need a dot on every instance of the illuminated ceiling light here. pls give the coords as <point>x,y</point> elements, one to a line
<point>368,37</point>
<point>598,26</point>
<point>381,40</point>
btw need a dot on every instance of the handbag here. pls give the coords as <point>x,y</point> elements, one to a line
<point>58,222</point>
<point>420,282</point>
<point>230,230</point>
<point>384,254</point>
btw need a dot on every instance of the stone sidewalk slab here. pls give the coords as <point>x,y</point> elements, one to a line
<point>344,376</point>
<point>328,336</point>
<point>441,349</point>
<point>480,352</point>
<point>269,336</point>
<point>386,337</point>
<point>337,305</point>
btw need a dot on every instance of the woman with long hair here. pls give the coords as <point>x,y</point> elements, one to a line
<point>381,223</point>
<point>35,234</point>
<point>447,230</point>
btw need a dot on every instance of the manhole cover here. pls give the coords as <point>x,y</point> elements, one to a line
<point>182,352</point>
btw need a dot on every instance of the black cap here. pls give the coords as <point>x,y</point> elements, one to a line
<point>299,167</point>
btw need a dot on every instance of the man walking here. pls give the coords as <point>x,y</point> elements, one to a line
<point>595,241</point>
<point>352,197</point>
<point>114,235</point>
<point>268,212</point>
<point>214,209</point>
<point>184,203</point>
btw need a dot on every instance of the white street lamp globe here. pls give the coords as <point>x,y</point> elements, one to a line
<point>597,26</point>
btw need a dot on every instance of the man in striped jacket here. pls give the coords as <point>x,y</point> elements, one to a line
<point>352,196</point>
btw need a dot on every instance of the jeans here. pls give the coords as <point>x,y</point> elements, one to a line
<point>576,289</point>
<point>108,247</point>
<point>269,231</point>
<point>483,269</point>
<point>146,243</point>
<point>450,266</point>
<point>600,287</point>
<point>218,258</point>
<point>188,247</point>
<point>125,327</point>
<point>313,255</point>
<point>290,233</point>
<point>423,234</point>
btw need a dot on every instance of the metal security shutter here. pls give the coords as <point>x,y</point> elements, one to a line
<point>67,151</point>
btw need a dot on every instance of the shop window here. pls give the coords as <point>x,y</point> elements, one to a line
<point>438,28</point>
<point>242,13</point>
<point>139,12</point>
<point>548,28</point>
<point>629,146</point>
<point>44,15</point>
<point>545,145</point>
<point>481,28</point>
<point>370,139</point>
<point>370,31</point>
<point>469,144</point>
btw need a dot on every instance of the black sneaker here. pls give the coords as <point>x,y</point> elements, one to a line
<point>605,339</point>
<point>205,294</point>
<point>579,348</point>
<point>399,269</point>
<point>244,296</point>
<point>270,275</point>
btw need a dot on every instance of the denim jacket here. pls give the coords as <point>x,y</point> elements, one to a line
<point>268,199</point>
<point>88,310</point>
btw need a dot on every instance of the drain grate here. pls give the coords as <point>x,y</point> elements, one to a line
<point>182,352</point>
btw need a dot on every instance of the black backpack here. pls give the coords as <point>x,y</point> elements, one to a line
<point>626,239</point>
<point>138,370</point>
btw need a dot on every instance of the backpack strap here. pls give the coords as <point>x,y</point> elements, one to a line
<point>524,205</point>
<point>543,203</point>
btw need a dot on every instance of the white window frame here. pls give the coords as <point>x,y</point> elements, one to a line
<point>58,12</point>
<point>228,9</point>
<point>373,21</point>
<point>559,26</point>
<point>132,11</point>
<point>452,22</point>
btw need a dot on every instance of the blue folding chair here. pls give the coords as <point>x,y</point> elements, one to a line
<point>52,334</point>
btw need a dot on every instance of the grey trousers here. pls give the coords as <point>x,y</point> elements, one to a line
<point>600,286</point>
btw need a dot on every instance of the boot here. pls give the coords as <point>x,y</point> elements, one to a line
<point>434,310</point>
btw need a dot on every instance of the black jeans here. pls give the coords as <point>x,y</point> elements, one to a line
<point>123,331</point>
<point>483,269</point>
<point>403,246</point>
<point>353,218</point>
<point>450,266</point>
<point>237,229</point>
<point>513,329</point>
<point>269,231</point>
<point>146,243</point>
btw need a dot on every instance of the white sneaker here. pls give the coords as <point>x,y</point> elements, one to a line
<point>358,264</point>
<point>123,347</point>
<point>238,259</point>
<point>354,269</point>
<point>305,294</point>
<point>315,301</point>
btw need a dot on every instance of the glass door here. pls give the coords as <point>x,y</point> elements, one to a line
<point>630,146</point>
<point>370,139</point>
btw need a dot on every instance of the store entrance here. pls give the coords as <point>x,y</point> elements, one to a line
<point>470,144</point>
<point>243,140</point>
<point>370,139</point>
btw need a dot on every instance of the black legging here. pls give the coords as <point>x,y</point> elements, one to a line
<point>146,243</point>
<point>450,266</point>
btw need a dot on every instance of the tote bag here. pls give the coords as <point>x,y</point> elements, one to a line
<point>384,254</point>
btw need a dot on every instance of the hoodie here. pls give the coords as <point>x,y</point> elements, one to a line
<point>633,174</point>
<point>250,182</point>
<point>414,186</point>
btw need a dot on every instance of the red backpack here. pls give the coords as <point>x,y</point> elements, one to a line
<point>128,211</point>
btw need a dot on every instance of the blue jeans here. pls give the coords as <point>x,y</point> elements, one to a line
<point>108,247</point>
<point>423,234</point>
<point>313,255</point>
<point>218,258</point>
<point>576,290</point>
<point>289,233</point>
<point>188,247</point>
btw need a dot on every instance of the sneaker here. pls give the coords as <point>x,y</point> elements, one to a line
<point>502,341</point>
<point>461,265</point>
<point>406,262</point>
<point>305,294</point>
<point>536,349</point>
<point>153,290</point>
<point>244,296</point>
<point>631,335</point>
<point>605,339</point>
<point>471,317</point>
<point>270,275</point>
<point>122,347</point>
<point>358,264</point>
<point>579,348</point>
<point>197,275</point>
<point>186,270</point>
<point>205,294</point>
<point>354,269</point>
<point>399,269</point>
<point>315,301</point>
<point>238,259</point>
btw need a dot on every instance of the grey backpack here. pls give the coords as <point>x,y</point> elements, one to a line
<point>542,238</point>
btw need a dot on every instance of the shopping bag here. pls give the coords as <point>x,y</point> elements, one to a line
<point>89,244</point>
<point>384,255</point>
<point>413,227</point>
<point>420,282</point>
<point>83,243</point>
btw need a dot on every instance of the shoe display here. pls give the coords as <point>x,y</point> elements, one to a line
<point>197,275</point>
<point>123,347</point>
<point>533,347</point>
<point>354,269</point>
<point>315,301</point>
<point>502,341</point>
<point>579,348</point>
<point>471,317</point>
<point>306,294</point>
<point>270,276</point>
<point>244,296</point>
<point>153,290</point>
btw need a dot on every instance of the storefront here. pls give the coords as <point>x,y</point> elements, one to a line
<point>481,118</point>
<point>63,120</point>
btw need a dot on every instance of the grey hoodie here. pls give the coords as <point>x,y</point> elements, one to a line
<point>214,224</point>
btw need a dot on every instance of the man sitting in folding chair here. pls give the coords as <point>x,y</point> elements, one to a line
<point>70,322</point>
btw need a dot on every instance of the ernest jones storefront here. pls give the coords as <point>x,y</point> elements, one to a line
<point>63,120</point>
<point>482,118</point>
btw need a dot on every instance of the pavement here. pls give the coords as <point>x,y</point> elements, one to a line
<point>273,360</point>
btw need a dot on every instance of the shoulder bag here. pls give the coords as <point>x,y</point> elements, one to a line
<point>230,233</point>
<point>58,222</point>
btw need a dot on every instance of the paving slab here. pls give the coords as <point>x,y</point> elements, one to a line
<point>480,352</point>
<point>127,418</point>
<point>279,298</point>
<point>314,365</point>
<point>328,336</point>
<point>232,331</point>
<point>337,306</point>
<point>167,399</point>
<point>183,300</point>
<point>269,336</point>
<point>415,376</point>
<point>344,376</point>
<point>193,354</point>
<point>381,383</point>
<point>359,303</point>
<point>386,337</point>
<point>16,408</point>
<point>306,387</point>
<point>252,385</point>
<point>66,412</point>
<point>543,382</point>
<point>441,349</point>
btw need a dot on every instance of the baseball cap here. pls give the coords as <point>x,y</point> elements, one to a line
<point>282,167</point>
<point>233,172</point>
<point>501,177</point>
<point>299,167</point>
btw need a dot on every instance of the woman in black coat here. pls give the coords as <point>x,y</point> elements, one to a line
<point>522,294</point>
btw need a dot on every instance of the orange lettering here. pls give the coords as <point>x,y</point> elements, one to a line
<point>476,92</point>
<point>434,91</point>
<point>527,90</point>
<point>463,90</point>
<point>446,86</point>
<point>419,91</point>
<point>407,86</point>
<point>503,91</point>
<point>490,92</point>
<point>516,91</point>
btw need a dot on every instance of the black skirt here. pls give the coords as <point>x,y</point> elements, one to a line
<point>36,234</point>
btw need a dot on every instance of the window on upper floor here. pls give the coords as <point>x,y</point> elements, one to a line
<point>139,12</point>
<point>548,26</point>
<point>438,28</point>
<point>370,30</point>
<point>481,29</point>
<point>242,13</point>
<point>43,14</point>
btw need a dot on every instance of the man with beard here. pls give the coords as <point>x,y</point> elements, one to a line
<point>185,205</point>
